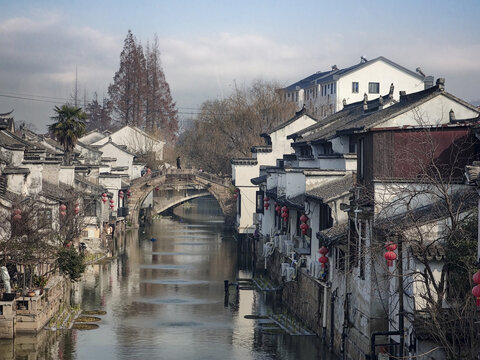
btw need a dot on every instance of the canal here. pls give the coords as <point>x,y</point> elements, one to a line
<point>164,299</point>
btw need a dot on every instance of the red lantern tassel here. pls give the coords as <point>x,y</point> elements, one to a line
<point>389,263</point>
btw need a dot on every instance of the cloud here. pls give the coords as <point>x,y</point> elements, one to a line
<point>39,56</point>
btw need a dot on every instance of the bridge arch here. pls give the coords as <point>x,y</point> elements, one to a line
<point>217,186</point>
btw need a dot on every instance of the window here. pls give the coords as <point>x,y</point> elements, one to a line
<point>305,151</point>
<point>90,207</point>
<point>259,202</point>
<point>355,87</point>
<point>339,259</point>
<point>374,87</point>
<point>326,220</point>
<point>333,88</point>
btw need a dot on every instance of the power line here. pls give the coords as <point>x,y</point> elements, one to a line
<point>42,98</point>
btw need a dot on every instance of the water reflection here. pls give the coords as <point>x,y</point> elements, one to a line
<point>165,300</point>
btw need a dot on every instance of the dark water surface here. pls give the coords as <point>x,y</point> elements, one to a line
<point>165,300</point>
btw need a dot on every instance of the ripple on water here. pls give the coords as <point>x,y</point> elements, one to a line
<point>177,253</point>
<point>174,282</point>
<point>175,301</point>
<point>195,243</point>
<point>165,267</point>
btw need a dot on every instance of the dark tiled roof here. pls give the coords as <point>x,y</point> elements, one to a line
<point>332,189</point>
<point>297,116</point>
<point>261,149</point>
<point>244,161</point>
<point>355,119</point>
<point>335,233</point>
<point>60,192</point>
<point>333,75</point>
<point>258,180</point>
<point>296,202</point>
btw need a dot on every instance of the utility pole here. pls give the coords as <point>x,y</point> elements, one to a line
<point>400,297</point>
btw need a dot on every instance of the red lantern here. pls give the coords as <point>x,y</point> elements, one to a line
<point>266,199</point>
<point>476,293</point>
<point>104,195</point>
<point>284,209</point>
<point>323,250</point>
<point>63,213</point>
<point>304,227</point>
<point>323,260</point>
<point>111,201</point>
<point>266,205</point>
<point>104,200</point>
<point>390,246</point>
<point>278,209</point>
<point>304,218</point>
<point>77,209</point>
<point>63,207</point>
<point>390,256</point>
<point>120,194</point>
<point>476,277</point>
<point>18,215</point>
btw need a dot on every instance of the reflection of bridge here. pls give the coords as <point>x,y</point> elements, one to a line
<point>176,186</point>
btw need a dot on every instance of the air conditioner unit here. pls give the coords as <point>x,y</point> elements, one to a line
<point>309,266</point>
<point>319,270</point>
<point>284,267</point>
<point>290,274</point>
<point>267,249</point>
<point>288,246</point>
<point>276,241</point>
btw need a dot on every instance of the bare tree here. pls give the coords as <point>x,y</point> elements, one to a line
<point>228,128</point>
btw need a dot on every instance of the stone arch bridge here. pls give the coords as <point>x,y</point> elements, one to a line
<point>175,186</point>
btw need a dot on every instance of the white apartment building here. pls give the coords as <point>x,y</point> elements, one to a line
<point>326,92</point>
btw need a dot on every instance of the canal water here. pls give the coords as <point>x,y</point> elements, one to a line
<point>164,299</point>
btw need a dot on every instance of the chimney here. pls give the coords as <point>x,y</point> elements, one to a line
<point>380,102</point>
<point>403,94</point>
<point>334,68</point>
<point>363,60</point>
<point>365,100</point>
<point>451,115</point>
<point>344,102</point>
<point>441,83</point>
<point>428,82</point>
<point>390,92</point>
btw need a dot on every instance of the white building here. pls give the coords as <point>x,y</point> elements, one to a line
<point>243,170</point>
<point>136,140</point>
<point>325,92</point>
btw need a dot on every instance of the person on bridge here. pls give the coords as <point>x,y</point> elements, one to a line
<point>178,162</point>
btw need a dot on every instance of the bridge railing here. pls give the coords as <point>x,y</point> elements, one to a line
<point>225,181</point>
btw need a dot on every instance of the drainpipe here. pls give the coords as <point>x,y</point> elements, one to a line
<point>332,317</point>
<point>324,314</point>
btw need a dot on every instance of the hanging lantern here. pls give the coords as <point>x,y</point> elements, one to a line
<point>104,195</point>
<point>391,246</point>
<point>284,209</point>
<point>323,250</point>
<point>390,256</point>
<point>104,200</point>
<point>304,218</point>
<point>120,194</point>
<point>18,215</point>
<point>323,260</point>
<point>476,293</point>
<point>63,207</point>
<point>476,289</point>
<point>278,209</point>
<point>63,213</point>
<point>111,201</point>
<point>266,205</point>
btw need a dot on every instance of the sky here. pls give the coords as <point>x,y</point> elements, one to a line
<point>208,47</point>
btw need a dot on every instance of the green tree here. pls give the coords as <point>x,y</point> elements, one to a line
<point>69,126</point>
